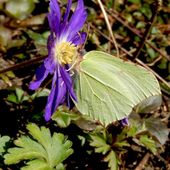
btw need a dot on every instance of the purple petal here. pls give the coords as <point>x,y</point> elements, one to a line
<point>48,109</point>
<point>56,96</point>
<point>77,20</point>
<point>79,38</point>
<point>66,15</point>
<point>60,93</point>
<point>41,74</point>
<point>64,25</point>
<point>124,121</point>
<point>49,63</point>
<point>50,41</point>
<point>54,16</point>
<point>68,81</point>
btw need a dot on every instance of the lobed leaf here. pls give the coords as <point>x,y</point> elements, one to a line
<point>158,129</point>
<point>112,160</point>
<point>148,143</point>
<point>100,143</point>
<point>44,150</point>
<point>3,141</point>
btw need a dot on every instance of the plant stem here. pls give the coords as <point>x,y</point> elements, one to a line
<point>23,64</point>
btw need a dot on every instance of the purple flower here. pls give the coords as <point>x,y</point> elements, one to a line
<point>62,54</point>
<point>124,122</point>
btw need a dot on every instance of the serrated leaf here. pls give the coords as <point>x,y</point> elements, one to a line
<point>121,144</point>
<point>148,143</point>
<point>100,143</point>
<point>108,88</point>
<point>36,165</point>
<point>47,150</point>
<point>158,129</point>
<point>27,149</point>
<point>112,160</point>
<point>12,98</point>
<point>3,141</point>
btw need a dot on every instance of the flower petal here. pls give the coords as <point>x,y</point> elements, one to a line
<point>41,74</point>
<point>50,62</point>
<point>48,108</point>
<point>66,15</point>
<point>79,38</point>
<point>54,16</point>
<point>77,20</point>
<point>56,97</point>
<point>68,81</point>
<point>124,122</point>
<point>50,41</point>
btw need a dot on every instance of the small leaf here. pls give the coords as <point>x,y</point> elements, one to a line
<point>12,98</point>
<point>121,144</point>
<point>44,151</point>
<point>41,93</point>
<point>148,143</point>
<point>3,141</point>
<point>20,9</point>
<point>158,129</point>
<point>112,160</point>
<point>99,142</point>
<point>19,94</point>
<point>151,53</point>
<point>63,118</point>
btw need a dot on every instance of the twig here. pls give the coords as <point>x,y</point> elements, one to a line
<point>118,17</point>
<point>155,61</point>
<point>148,29</point>
<point>157,75</point>
<point>143,162</point>
<point>131,54</point>
<point>109,39</point>
<point>108,26</point>
<point>23,64</point>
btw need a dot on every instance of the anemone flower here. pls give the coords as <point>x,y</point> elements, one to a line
<point>62,53</point>
<point>124,122</point>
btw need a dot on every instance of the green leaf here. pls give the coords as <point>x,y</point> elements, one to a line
<point>148,143</point>
<point>44,151</point>
<point>135,1</point>
<point>158,129</point>
<point>63,118</point>
<point>40,41</point>
<point>20,9</point>
<point>108,88</point>
<point>3,141</point>
<point>17,97</point>
<point>112,160</point>
<point>12,98</point>
<point>99,141</point>
<point>40,93</point>
<point>19,94</point>
<point>152,54</point>
<point>36,165</point>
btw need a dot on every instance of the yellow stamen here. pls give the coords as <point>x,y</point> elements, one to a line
<point>65,52</point>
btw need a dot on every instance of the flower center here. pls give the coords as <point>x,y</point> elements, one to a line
<point>66,53</point>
